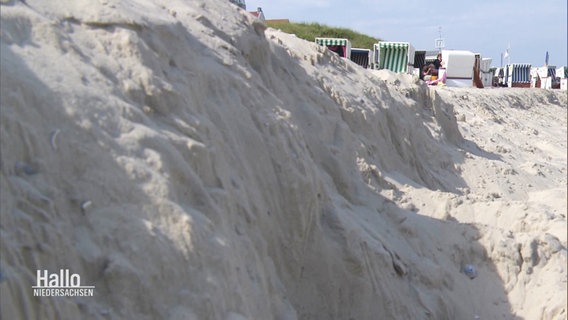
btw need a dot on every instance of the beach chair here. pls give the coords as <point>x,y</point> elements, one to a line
<point>337,45</point>
<point>395,56</point>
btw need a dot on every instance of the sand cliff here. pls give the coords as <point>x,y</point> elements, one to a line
<point>192,164</point>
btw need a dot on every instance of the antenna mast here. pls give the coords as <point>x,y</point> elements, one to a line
<point>440,43</point>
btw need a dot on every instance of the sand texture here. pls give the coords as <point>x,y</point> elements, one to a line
<point>191,163</point>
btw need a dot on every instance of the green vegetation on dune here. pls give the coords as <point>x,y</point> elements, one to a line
<point>309,31</point>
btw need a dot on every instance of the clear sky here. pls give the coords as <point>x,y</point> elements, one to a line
<point>489,27</point>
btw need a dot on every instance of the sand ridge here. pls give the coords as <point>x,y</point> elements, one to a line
<point>191,163</point>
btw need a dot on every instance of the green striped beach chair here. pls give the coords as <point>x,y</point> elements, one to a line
<point>395,56</point>
<point>338,45</point>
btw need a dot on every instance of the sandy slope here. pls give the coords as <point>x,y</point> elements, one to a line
<point>190,164</point>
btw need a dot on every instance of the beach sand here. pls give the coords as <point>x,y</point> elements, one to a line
<point>191,163</point>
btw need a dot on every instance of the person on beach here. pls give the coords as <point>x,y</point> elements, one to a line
<point>428,71</point>
<point>438,61</point>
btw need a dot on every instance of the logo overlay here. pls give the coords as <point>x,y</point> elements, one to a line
<point>62,284</point>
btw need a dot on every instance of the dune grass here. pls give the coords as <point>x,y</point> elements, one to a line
<point>309,31</point>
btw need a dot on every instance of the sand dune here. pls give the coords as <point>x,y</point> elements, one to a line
<point>190,163</point>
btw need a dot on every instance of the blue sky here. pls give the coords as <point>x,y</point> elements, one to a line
<point>531,28</point>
